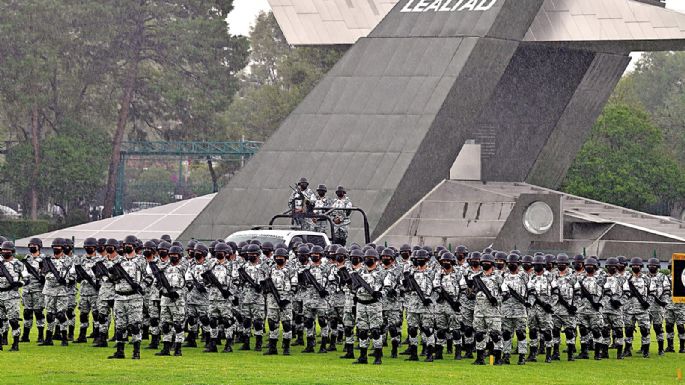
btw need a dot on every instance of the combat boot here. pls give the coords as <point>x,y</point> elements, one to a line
<point>40,335</point>
<point>166,349</point>
<point>393,351</point>
<point>65,340</point>
<point>406,351</point>
<point>669,349</point>
<point>362,357</point>
<point>331,345</point>
<point>429,353</point>
<point>377,355</point>
<point>101,341</point>
<point>413,353</point>
<point>228,348</point>
<point>457,352</point>
<point>660,344</point>
<point>271,347</point>
<point>448,349</point>
<point>15,344</point>
<point>628,350</point>
<point>300,338</point>
<point>190,341</point>
<point>522,359</point>
<point>555,353</point>
<point>423,349</point>
<point>246,342</point>
<point>498,357</point>
<point>438,352</point>
<point>506,359</point>
<point>177,349</point>
<point>119,354</point>
<point>541,347</point>
<point>70,336</point>
<point>533,354</point>
<point>136,350</point>
<point>257,343</point>
<point>645,350</point>
<point>548,355</point>
<point>341,337</point>
<point>311,342</point>
<point>211,347</point>
<point>468,354</point>
<point>583,352</point>
<point>349,352</point>
<point>56,335</point>
<point>682,345</point>
<point>81,336</point>
<point>154,342</point>
<point>480,358</point>
<point>48,339</point>
<point>146,333</point>
<point>286,346</point>
<point>571,350</point>
<point>619,352</point>
<point>25,335</point>
<point>322,348</point>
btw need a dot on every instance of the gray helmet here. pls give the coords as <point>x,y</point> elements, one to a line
<point>653,262</point>
<point>112,242</point>
<point>90,242</point>
<point>222,247</point>
<point>253,249</point>
<point>371,253</point>
<point>487,257</point>
<point>267,246</point>
<point>201,249</point>
<point>405,247</point>
<point>303,180</point>
<point>341,251</point>
<point>500,256</point>
<point>388,252</point>
<point>303,250</point>
<point>475,256</point>
<point>281,252</point>
<point>421,254</point>
<point>356,253</point>
<point>166,237</point>
<point>636,261</point>
<point>550,258</point>
<point>321,187</point>
<point>59,242</point>
<point>612,261</point>
<point>8,245</point>
<point>130,240</point>
<point>164,245</point>
<point>591,262</point>
<point>149,245</point>
<point>35,241</point>
<point>341,189</point>
<point>513,258</point>
<point>562,259</point>
<point>176,250</point>
<point>316,250</point>
<point>448,257</point>
<point>527,259</point>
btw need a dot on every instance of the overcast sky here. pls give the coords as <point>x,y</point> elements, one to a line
<point>246,11</point>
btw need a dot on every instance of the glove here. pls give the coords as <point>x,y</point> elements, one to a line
<point>645,305</point>
<point>201,289</point>
<point>323,293</point>
<point>377,295</point>
<point>471,296</point>
<point>572,309</point>
<point>258,289</point>
<point>427,302</point>
<point>174,296</point>
<point>527,305</point>
<point>284,303</point>
<point>505,297</point>
<point>493,301</point>
<point>41,279</point>
<point>235,301</point>
<point>17,284</point>
<point>616,304</point>
<point>547,307</point>
<point>62,281</point>
<point>392,293</point>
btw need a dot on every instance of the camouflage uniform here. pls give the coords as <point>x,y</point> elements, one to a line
<point>319,201</point>
<point>341,229</point>
<point>675,317</point>
<point>173,310</point>
<point>315,305</point>
<point>468,305</point>
<point>336,302</point>
<point>252,303</point>
<point>88,294</point>
<point>447,319</point>
<point>540,289</point>
<point>636,312</point>
<point>391,303</point>
<point>197,301</point>
<point>151,304</point>
<point>612,310</point>
<point>297,203</point>
<point>659,297</point>
<point>220,308</point>
<point>105,300</point>
<point>72,291</point>
<point>285,280</point>
<point>128,303</point>
<point>420,315</point>
<point>487,317</point>
<point>514,312</point>
<point>590,321</point>
<point>9,298</point>
<point>349,310</point>
<point>57,293</point>
<point>369,317</point>
<point>33,298</point>
<point>564,319</point>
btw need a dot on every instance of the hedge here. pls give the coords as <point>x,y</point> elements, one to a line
<point>22,228</point>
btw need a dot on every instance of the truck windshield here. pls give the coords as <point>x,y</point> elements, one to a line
<point>237,238</point>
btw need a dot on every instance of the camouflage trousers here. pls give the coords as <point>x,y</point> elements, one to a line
<point>566,324</point>
<point>220,317</point>
<point>154,312</point>
<point>253,315</point>
<point>71,307</point>
<point>316,310</point>
<point>613,323</point>
<point>675,316</point>
<point>348,319</point>
<point>539,321</point>
<point>656,317</point>
<point>172,316</point>
<point>488,328</point>
<point>298,314</point>
<point>87,304</point>
<point>275,316</point>
<point>643,322</point>
<point>467,325</point>
<point>9,315</point>
<point>105,308</point>
<point>196,315</point>
<point>369,320</point>
<point>392,323</point>
<point>514,326</point>
<point>590,327</point>
<point>128,317</point>
<point>420,322</point>
<point>335,318</point>
<point>34,304</point>
<point>447,322</point>
<point>56,309</point>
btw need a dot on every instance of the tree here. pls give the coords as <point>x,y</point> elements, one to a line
<point>177,63</point>
<point>625,162</point>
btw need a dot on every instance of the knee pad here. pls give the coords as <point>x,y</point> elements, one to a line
<point>51,318</point>
<point>258,324</point>
<point>247,323</point>
<point>61,317</point>
<point>570,333</point>
<point>166,328</point>
<point>556,333</point>
<point>273,325</point>
<point>375,333</point>
<point>480,336</point>
<point>213,322</point>
<point>393,331</point>
<point>413,331</point>
<point>191,320</point>
<point>154,322</point>
<point>39,314</point>
<point>456,335</point>
<point>334,323</point>
<point>287,326</point>
<point>348,331</point>
<point>441,334</point>
<point>681,329</point>
<point>69,313</point>
<point>363,334</point>
<point>521,335</point>
<point>630,331</point>
<point>618,333</point>
<point>495,336</point>
<point>28,314</point>
<point>227,321</point>
<point>644,330</point>
<point>178,327</point>
<point>547,335</point>
<point>119,334</point>
<point>670,328</point>
<point>14,323</point>
<point>323,322</point>
<point>596,334</point>
<point>583,330</point>
<point>299,318</point>
<point>427,331</point>
<point>606,332</point>
<point>309,323</point>
<point>506,335</point>
<point>533,334</point>
<point>204,320</point>
<point>468,331</point>
<point>83,318</point>
<point>133,329</point>
<point>658,329</point>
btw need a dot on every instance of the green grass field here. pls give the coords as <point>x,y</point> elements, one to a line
<point>82,364</point>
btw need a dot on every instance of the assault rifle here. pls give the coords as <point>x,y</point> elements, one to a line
<point>247,279</point>
<point>309,278</point>
<point>83,276</point>
<point>163,281</point>
<point>635,293</point>
<point>119,271</point>
<point>480,285</point>
<point>586,294</point>
<point>214,281</point>
<point>32,270</point>
<point>47,263</point>
<point>445,297</point>
<point>414,286</point>
<point>271,288</point>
